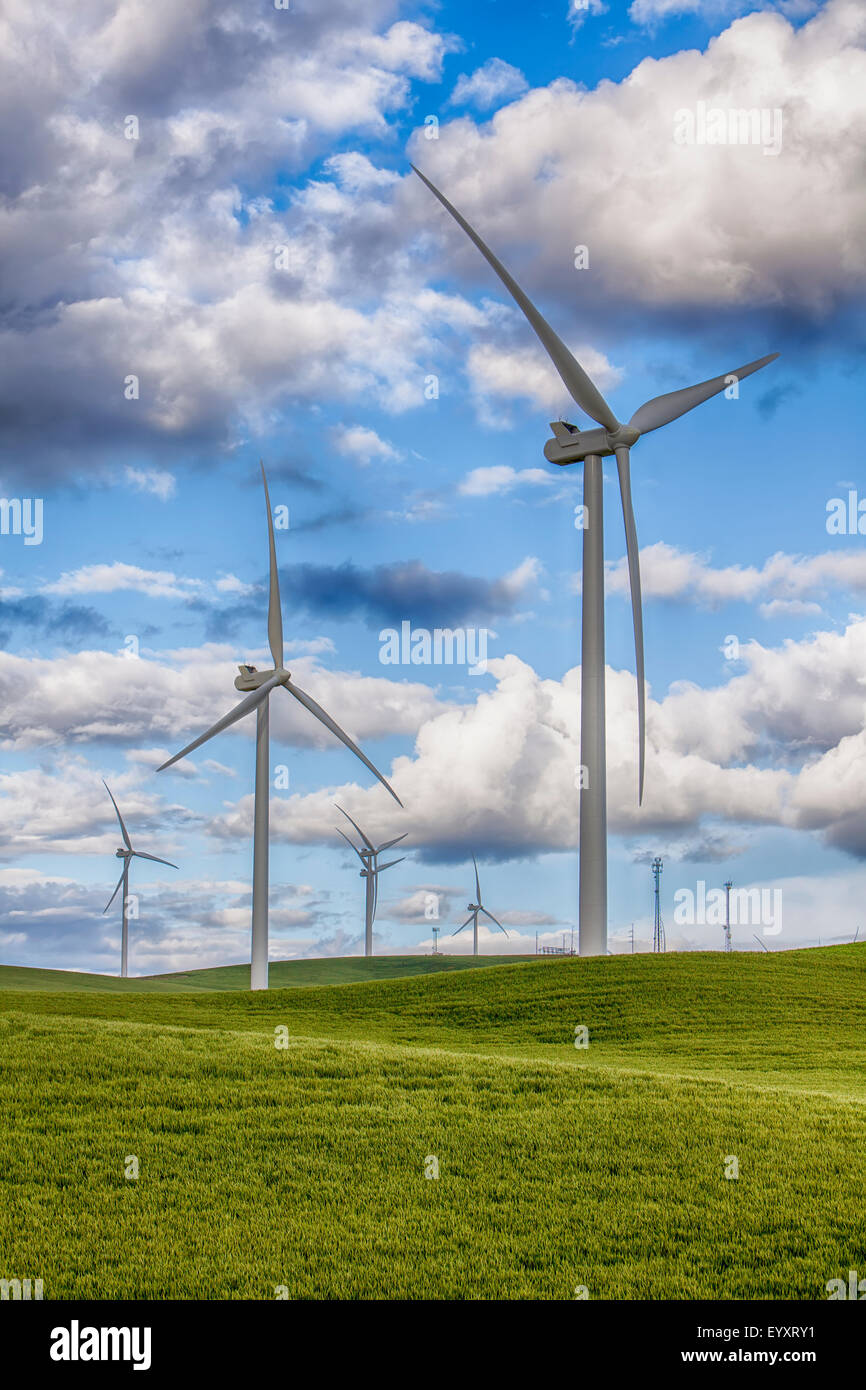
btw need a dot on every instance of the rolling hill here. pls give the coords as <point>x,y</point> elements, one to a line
<point>291,1141</point>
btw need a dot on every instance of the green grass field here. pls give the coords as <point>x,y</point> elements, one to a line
<point>283,974</point>
<point>303,1167</point>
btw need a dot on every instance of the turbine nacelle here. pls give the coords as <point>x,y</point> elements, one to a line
<point>571,445</point>
<point>122,854</point>
<point>251,678</point>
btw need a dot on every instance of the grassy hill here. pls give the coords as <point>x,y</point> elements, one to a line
<point>283,974</point>
<point>303,1166</point>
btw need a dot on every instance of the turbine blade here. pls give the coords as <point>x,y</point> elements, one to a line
<point>113,896</point>
<point>580,387</point>
<point>367,842</point>
<point>662,409</point>
<point>119,817</point>
<point>375,893</point>
<point>465,924</point>
<point>493,919</point>
<point>349,843</point>
<point>329,723</point>
<point>389,844</point>
<point>477,884</point>
<point>275,615</point>
<point>247,704</point>
<point>631,546</point>
<point>139,854</point>
<point>382,867</point>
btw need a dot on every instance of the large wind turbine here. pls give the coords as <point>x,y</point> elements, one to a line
<point>370,871</point>
<point>127,853</point>
<point>474,909</point>
<point>572,445</point>
<point>261,683</point>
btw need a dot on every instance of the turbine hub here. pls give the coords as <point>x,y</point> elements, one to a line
<point>625,435</point>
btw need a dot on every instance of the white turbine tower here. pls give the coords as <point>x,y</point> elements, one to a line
<point>572,445</point>
<point>126,853</point>
<point>260,684</point>
<point>474,909</point>
<point>370,871</point>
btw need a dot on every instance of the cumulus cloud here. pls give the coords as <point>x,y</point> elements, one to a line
<point>495,81</point>
<point>727,233</point>
<point>52,701</point>
<point>499,478</point>
<point>129,139</point>
<point>788,584</point>
<point>362,444</point>
<point>118,576</point>
<point>498,374</point>
<point>767,747</point>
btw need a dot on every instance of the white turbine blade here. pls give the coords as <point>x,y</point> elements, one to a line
<point>119,817</point>
<point>581,388</point>
<point>389,844</point>
<point>465,924</point>
<point>633,554</point>
<point>662,409</point>
<point>114,895</point>
<point>382,867</point>
<point>351,846</point>
<point>367,842</point>
<point>493,919</point>
<point>275,615</point>
<point>139,854</point>
<point>227,720</point>
<point>329,723</point>
<point>477,884</point>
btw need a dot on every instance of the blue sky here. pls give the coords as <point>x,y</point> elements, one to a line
<point>262,260</point>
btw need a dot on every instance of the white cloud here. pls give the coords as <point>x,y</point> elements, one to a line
<point>790,584</point>
<point>495,81</point>
<point>230,584</point>
<point>723,234</point>
<point>49,701</point>
<point>118,577</point>
<point>361,444</point>
<point>499,478</point>
<point>157,481</point>
<point>781,744</point>
<point>497,373</point>
<point>580,10</point>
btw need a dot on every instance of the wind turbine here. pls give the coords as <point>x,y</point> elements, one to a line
<point>370,871</point>
<point>571,444</point>
<point>260,684</point>
<point>474,909</point>
<point>127,853</point>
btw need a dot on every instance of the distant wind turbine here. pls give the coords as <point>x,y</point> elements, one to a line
<point>260,684</point>
<point>571,445</point>
<point>127,853</point>
<point>474,909</point>
<point>370,871</point>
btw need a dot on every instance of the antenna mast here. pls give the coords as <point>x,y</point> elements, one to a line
<point>728,886</point>
<point>659,929</point>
